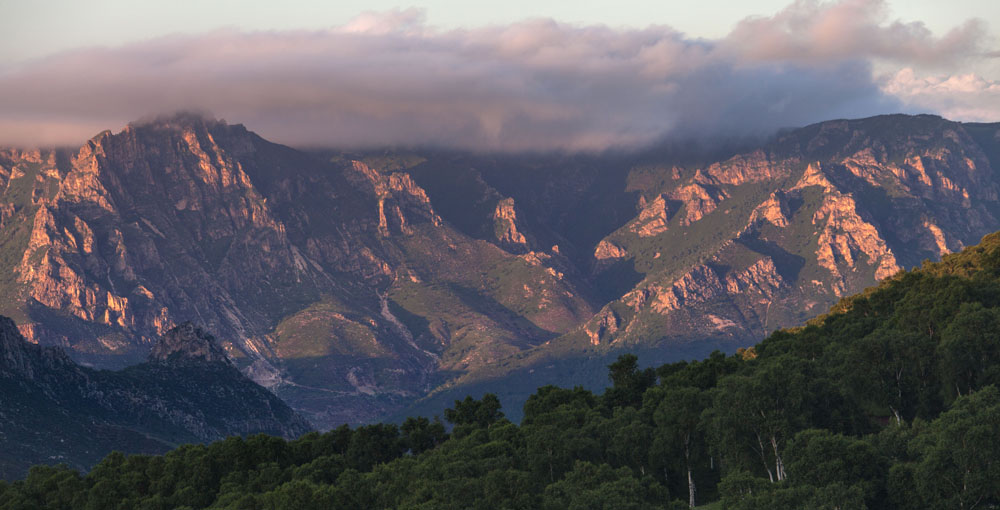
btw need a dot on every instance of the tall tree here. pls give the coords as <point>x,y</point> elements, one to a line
<point>678,425</point>
<point>959,468</point>
<point>759,412</point>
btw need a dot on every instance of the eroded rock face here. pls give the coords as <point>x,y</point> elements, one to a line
<point>506,227</point>
<point>774,210</point>
<point>188,343</point>
<point>698,199</point>
<point>746,168</point>
<point>844,236</point>
<point>395,193</point>
<point>845,204</point>
<point>607,250</point>
<point>653,218</point>
<point>703,283</point>
<point>185,218</point>
<point>603,327</point>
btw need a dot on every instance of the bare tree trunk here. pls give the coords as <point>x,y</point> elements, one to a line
<point>691,489</point>
<point>687,464</point>
<point>763,458</point>
<point>779,466</point>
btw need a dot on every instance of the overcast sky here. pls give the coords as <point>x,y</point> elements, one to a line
<point>512,75</point>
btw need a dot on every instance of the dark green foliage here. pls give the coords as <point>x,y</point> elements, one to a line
<point>470,414</point>
<point>820,458</point>
<point>420,434</point>
<point>628,382</point>
<point>600,487</point>
<point>958,466</point>
<point>970,350</point>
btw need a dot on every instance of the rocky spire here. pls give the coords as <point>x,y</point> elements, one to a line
<point>188,342</point>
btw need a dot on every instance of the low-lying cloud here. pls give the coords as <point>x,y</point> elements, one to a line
<point>391,79</point>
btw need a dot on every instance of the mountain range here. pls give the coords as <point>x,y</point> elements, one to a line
<point>356,284</point>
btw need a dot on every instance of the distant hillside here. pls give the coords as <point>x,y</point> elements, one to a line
<point>721,254</point>
<point>55,411</point>
<point>355,284</point>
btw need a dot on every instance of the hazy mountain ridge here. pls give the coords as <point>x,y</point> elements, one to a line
<point>355,283</point>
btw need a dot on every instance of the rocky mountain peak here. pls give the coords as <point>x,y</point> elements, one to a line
<point>188,342</point>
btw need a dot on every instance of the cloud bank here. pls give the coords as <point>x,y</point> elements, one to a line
<point>392,79</point>
<point>961,96</point>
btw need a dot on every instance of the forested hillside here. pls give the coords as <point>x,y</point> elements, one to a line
<point>888,402</point>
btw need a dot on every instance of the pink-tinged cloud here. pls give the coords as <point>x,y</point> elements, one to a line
<point>960,96</point>
<point>390,79</point>
<point>811,31</point>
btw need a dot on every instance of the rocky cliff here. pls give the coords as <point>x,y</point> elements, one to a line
<point>188,343</point>
<point>765,239</point>
<point>334,282</point>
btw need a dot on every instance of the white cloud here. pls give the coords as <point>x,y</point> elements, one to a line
<point>965,97</point>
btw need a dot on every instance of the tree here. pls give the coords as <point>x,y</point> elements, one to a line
<point>820,458</point>
<point>600,487</point>
<point>470,414</point>
<point>628,381</point>
<point>758,413</point>
<point>959,467</point>
<point>420,434</point>
<point>889,368</point>
<point>678,425</point>
<point>970,349</point>
<point>554,439</point>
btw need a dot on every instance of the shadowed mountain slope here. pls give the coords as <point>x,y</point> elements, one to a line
<point>53,410</point>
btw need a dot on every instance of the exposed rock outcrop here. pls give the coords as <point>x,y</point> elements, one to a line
<point>188,343</point>
<point>508,234</point>
<point>844,235</point>
<point>848,203</point>
<point>774,210</point>
<point>698,199</point>
<point>653,218</point>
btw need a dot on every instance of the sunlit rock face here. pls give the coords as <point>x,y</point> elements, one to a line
<point>770,237</point>
<point>293,260</point>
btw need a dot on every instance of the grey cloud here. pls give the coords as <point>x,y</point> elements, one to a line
<point>813,31</point>
<point>390,79</point>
